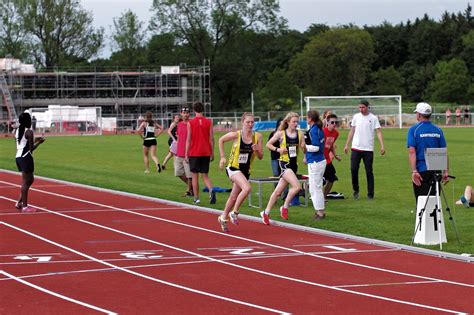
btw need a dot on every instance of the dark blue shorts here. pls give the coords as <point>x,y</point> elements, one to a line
<point>25,164</point>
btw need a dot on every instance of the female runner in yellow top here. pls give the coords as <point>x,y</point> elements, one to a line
<point>291,139</point>
<point>247,145</point>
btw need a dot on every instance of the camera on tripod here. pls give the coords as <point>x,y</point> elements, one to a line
<point>429,225</point>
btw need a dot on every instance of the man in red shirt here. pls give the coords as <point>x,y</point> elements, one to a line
<point>181,167</point>
<point>330,136</point>
<point>200,151</point>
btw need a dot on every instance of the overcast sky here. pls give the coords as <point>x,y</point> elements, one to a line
<point>302,13</point>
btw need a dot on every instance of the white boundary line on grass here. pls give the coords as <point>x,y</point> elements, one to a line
<point>139,274</point>
<point>239,266</point>
<point>312,230</point>
<point>34,286</point>
<point>235,236</point>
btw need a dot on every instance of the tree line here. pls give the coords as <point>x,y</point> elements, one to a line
<point>251,49</point>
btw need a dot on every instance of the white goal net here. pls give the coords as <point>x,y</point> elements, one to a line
<point>388,108</point>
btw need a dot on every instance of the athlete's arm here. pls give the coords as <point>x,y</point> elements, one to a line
<point>227,137</point>
<point>258,147</point>
<point>211,139</point>
<point>170,128</point>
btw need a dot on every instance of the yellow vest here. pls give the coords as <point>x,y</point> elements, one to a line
<point>285,157</point>
<point>235,152</point>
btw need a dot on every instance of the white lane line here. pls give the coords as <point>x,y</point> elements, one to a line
<point>141,275</point>
<point>56,294</point>
<point>131,250</point>
<point>385,284</point>
<point>14,212</point>
<point>239,237</point>
<point>247,268</point>
<point>318,245</point>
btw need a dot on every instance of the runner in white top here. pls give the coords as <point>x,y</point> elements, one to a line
<point>25,145</point>
<point>362,134</point>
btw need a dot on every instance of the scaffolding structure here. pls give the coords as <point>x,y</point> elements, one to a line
<point>124,94</point>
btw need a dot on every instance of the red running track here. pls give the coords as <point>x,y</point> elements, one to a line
<point>97,251</point>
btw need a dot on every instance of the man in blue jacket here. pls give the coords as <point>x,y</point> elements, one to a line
<point>421,136</point>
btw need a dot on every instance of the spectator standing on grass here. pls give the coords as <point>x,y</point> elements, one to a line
<point>330,136</point>
<point>246,146</point>
<point>291,140</point>
<point>172,133</point>
<point>200,151</point>
<point>151,129</point>
<point>181,166</point>
<point>421,136</point>
<point>466,115</point>
<point>448,116</point>
<point>25,145</point>
<point>458,115</point>
<point>363,127</point>
<point>314,139</point>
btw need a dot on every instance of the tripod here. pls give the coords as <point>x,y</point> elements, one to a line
<point>437,212</point>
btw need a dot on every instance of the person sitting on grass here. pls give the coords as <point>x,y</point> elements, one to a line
<point>467,199</point>
<point>25,145</point>
<point>247,145</point>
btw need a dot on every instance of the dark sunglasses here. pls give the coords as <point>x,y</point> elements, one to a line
<point>332,122</point>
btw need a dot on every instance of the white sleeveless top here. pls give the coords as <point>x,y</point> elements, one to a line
<point>22,148</point>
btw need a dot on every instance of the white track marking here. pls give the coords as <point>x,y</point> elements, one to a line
<point>341,249</point>
<point>385,284</point>
<point>243,267</point>
<point>88,210</point>
<point>237,237</point>
<point>55,294</point>
<point>30,254</point>
<point>142,275</point>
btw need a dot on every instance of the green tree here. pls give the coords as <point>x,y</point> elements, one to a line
<point>219,31</point>
<point>14,41</point>
<point>61,31</point>
<point>468,51</point>
<point>388,82</point>
<point>278,93</point>
<point>128,37</point>
<point>390,44</point>
<point>417,80</point>
<point>163,49</point>
<point>336,62</point>
<point>206,26</point>
<point>451,82</point>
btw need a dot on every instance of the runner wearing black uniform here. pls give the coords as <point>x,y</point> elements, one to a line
<point>151,130</point>
<point>291,140</point>
<point>247,145</point>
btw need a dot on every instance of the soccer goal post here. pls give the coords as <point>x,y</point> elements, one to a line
<point>388,108</point>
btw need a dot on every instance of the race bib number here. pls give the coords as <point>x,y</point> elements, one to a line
<point>150,129</point>
<point>292,152</point>
<point>243,158</point>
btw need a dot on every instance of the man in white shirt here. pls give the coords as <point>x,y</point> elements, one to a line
<point>362,134</point>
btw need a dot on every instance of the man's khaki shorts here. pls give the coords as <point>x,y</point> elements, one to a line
<point>181,167</point>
